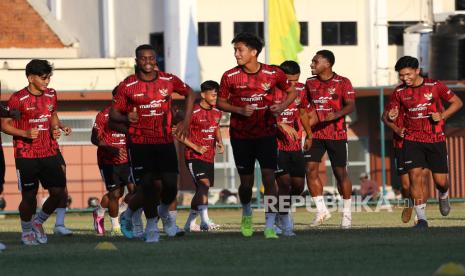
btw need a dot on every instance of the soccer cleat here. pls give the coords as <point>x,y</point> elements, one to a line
<point>270,233</point>
<point>407,214</point>
<point>169,226</point>
<point>180,232</point>
<point>346,222</point>
<point>444,206</point>
<point>137,226</point>
<point>246,226</point>
<point>209,226</point>
<point>99,225</point>
<point>2,247</point>
<point>116,232</point>
<point>152,236</point>
<point>288,233</point>
<point>126,226</point>
<point>61,230</point>
<point>421,225</point>
<point>39,232</point>
<point>320,218</point>
<point>194,227</point>
<point>278,229</point>
<point>29,238</point>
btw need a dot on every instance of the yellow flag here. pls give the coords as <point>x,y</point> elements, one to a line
<point>284,31</point>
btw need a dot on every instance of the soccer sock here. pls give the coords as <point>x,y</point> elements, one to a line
<point>203,209</point>
<point>137,216</point>
<point>151,225</point>
<point>60,220</point>
<point>270,220</point>
<point>246,209</point>
<point>421,211</point>
<point>173,214</point>
<point>285,221</point>
<point>41,217</point>
<point>163,210</point>
<point>320,204</point>
<point>114,223</point>
<point>26,226</point>
<point>192,217</point>
<point>128,214</point>
<point>346,205</point>
<point>443,195</point>
<point>100,211</point>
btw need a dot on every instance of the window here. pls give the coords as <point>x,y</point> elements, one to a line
<point>460,5</point>
<point>209,33</point>
<point>396,31</point>
<point>339,33</point>
<point>250,27</point>
<point>303,33</point>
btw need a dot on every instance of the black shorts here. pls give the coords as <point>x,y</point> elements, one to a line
<point>61,160</point>
<point>337,151</point>
<point>201,170</point>
<point>426,155</point>
<point>154,158</point>
<point>47,170</point>
<point>292,163</point>
<point>115,176</point>
<point>399,161</point>
<point>246,151</point>
<point>2,166</point>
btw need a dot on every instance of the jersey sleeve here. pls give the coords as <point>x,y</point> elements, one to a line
<point>348,92</point>
<point>281,80</point>
<point>444,92</point>
<point>13,103</point>
<point>180,87</point>
<point>224,87</point>
<point>99,124</point>
<point>120,101</point>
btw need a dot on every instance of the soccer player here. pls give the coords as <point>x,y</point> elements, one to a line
<point>114,167</point>
<point>143,100</point>
<point>247,92</point>
<point>204,137</point>
<point>291,164</point>
<point>420,99</point>
<point>332,97</point>
<point>35,156</point>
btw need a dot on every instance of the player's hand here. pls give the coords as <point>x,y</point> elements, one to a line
<point>220,148</point>
<point>277,109</point>
<point>246,110</point>
<point>56,132</point>
<point>201,149</point>
<point>32,133</point>
<point>14,114</point>
<point>133,116</point>
<point>436,116</point>
<point>66,130</point>
<point>400,132</point>
<point>331,116</point>
<point>307,143</point>
<point>393,113</point>
<point>289,131</point>
<point>182,130</point>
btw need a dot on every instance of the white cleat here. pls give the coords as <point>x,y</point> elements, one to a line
<point>320,218</point>
<point>209,226</point>
<point>169,226</point>
<point>61,230</point>
<point>29,238</point>
<point>38,229</point>
<point>152,236</point>
<point>2,247</point>
<point>192,228</point>
<point>346,221</point>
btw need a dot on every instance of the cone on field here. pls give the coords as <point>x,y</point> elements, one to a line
<point>450,269</point>
<point>105,246</point>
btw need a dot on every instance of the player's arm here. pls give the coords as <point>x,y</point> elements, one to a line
<point>188,143</point>
<point>219,141</point>
<point>224,105</point>
<point>291,95</point>
<point>183,127</point>
<point>306,116</point>
<point>55,126</point>
<point>119,127</point>
<point>385,117</point>
<point>8,128</point>
<point>455,104</point>
<point>349,107</point>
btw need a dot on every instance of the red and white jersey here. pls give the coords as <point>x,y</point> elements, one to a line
<point>290,117</point>
<point>111,138</point>
<point>326,97</point>
<point>202,132</point>
<point>152,100</point>
<point>418,103</point>
<point>397,141</point>
<point>241,89</point>
<point>36,112</point>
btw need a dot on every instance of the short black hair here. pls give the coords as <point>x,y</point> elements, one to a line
<point>328,55</point>
<point>38,67</point>
<point>144,47</point>
<point>290,67</point>
<point>250,40</point>
<point>209,85</point>
<point>406,62</point>
<point>113,93</point>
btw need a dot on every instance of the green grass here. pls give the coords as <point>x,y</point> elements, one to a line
<point>378,244</point>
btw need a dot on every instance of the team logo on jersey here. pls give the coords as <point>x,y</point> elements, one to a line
<point>266,86</point>
<point>428,96</point>
<point>332,90</point>
<point>50,107</point>
<point>163,91</point>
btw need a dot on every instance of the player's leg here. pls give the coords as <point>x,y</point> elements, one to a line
<point>284,182</point>
<point>60,228</point>
<point>113,209</point>
<point>437,161</point>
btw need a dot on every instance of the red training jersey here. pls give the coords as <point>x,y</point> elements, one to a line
<point>397,141</point>
<point>241,89</point>
<point>116,140</point>
<point>418,103</point>
<point>36,112</point>
<point>202,132</point>
<point>326,97</point>
<point>152,100</point>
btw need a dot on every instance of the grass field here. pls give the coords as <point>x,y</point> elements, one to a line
<point>378,244</point>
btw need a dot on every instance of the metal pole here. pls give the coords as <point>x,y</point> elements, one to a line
<point>382,141</point>
<point>258,184</point>
<point>266,31</point>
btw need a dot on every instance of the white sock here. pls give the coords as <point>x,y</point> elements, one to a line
<point>347,205</point>
<point>192,217</point>
<point>203,209</point>
<point>163,210</point>
<point>26,226</point>
<point>444,195</point>
<point>320,204</point>
<point>41,217</point>
<point>151,225</point>
<point>114,223</point>
<point>421,211</point>
<point>270,219</point>
<point>60,220</point>
<point>246,209</point>
<point>100,211</point>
